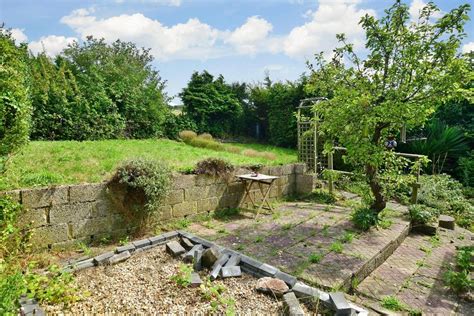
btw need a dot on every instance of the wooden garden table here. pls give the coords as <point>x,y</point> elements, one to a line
<point>261,180</point>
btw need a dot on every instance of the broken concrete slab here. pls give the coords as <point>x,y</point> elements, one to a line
<point>195,280</point>
<point>174,248</point>
<point>234,260</point>
<point>128,247</point>
<point>292,305</point>
<point>189,256</point>
<point>197,263</point>
<point>210,256</point>
<point>119,257</point>
<point>186,243</point>
<point>231,272</point>
<point>341,306</point>
<point>101,259</point>
<point>215,272</point>
<point>287,278</point>
<point>157,240</point>
<point>141,243</point>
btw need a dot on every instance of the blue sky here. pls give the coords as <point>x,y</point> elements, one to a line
<point>241,39</point>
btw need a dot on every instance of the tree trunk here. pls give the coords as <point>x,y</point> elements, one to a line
<point>379,203</point>
<point>371,171</point>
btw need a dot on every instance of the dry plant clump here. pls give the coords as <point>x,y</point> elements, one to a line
<point>206,136</point>
<point>233,149</point>
<point>250,153</point>
<point>187,135</point>
<point>214,167</point>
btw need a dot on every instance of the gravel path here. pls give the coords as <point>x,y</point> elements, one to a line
<point>143,285</point>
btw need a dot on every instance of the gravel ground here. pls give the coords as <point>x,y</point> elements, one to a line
<point>143,285</point>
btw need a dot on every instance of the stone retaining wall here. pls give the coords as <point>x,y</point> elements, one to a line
<point>64,215</point>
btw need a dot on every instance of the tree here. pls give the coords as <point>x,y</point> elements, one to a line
<point>409,69</point>
<point>119,78</point>
<point>15,106</point>
<point>210,103</point>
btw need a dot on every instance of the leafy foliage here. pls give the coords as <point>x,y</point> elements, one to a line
<point>466,169</point>
<point>422,214</point>
<point>147,183</point>
<point>410,68</point>
<point>364,218</point>
<point>183,275</point>
<point>15,106</point>
<point>459,280</point>
<point>210,103</point>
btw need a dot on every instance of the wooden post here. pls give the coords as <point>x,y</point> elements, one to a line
<point>330,167</point>
<point>415,187</point>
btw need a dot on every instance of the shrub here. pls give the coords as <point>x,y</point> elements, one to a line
<point>214,167</point>
<point>186,135</point>
<point>422,214</point>
<point>206,136</point>
<point>205,143</point>
<point>459,280</point>
<point>146,183</point>
<point>466,169</point>
<point>174,124</point>
<point>250,153</point>
<point>364,218</point>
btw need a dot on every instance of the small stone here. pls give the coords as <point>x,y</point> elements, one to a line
<point>128,247</point>
<point>174,248</point>
<point>272,286</point>
<point>231,272</point>
<point>340,303</point>
<point>195,280</point>
<point>233,261</point>
<point>119,257</point>
<point>447,222</point>
<point>189,256</point>
<point>186,243</point>
<point>210,256</point>
<point>197,263</point>
<point>292,305</point>
<point>100,259</point>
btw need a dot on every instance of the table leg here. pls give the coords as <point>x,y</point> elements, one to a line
<point>247,186</point>
<point>264,198</point>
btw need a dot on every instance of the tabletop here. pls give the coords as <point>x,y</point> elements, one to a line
<point>259,177</point>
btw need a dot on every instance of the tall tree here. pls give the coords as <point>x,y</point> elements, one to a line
<point>15,106</point>
<point>410,68</point>
<point>210,103</point>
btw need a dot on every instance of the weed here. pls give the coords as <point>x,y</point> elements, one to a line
<point>214,293</point>
<point>325,230</point>
<point>214,167</point>
<point>459,280</point>
<point>364,218</point>
<point>276,215</point>
<point>435,241</point>
<point>315,257</point>
<point>347,238</point>
<point>222,231</point>
<point>124,240</point>
<point>287,226</point>
<point>321,196</point>
<point>84,248</point>
<point>385,223</point>
<point>392,303</point>
<point>336,246</point>
<point>182,223</point>
<point>226,213</point>
<point>355,282</point>
<point>183,275</point>
<point>420,263</point>
<point>414,312</point>
<point>258,239</point>
<point>425,249</point>
<point>240,247</point>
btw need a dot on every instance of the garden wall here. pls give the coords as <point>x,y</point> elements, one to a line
<point>64,215</point>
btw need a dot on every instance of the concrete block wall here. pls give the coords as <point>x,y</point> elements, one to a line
<point>64,215</point>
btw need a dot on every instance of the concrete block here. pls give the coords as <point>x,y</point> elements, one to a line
<point>292,305</point>
<point>128,247</point>
<point>96,226</point>
<point>202,241</point>
<point>215,272</point>
<point>267,270</point>
<point>14,195</point>
<point>174,248</point>
<point>186,243</point>
<point>287,169</point>
<point>309,293</point>
<point>141,243</point>
<point>195,280</point>
<point>231,272</point>
<point>206,205</point>
<point>300,168</point>
<point>157,240</point>
<point>119,257</point>
<point>100,259</point>
<point>102,207</point>
<point>68,213</point>
<point>183,181</point>
<point>197,263</point>
<point>170,235</point>
<point>83,265</point>
<point>50,234</point>
<point>185,208</point>
<point>33,218</point>
<point>189,256</point>
<point>340,303</point>
<point>36,198</point>
<point>86,192</point>
<point>205,180</point>
<point>195,193</point>
<point>234,260</point>
<point>216,190</point>
<point>174,197</point>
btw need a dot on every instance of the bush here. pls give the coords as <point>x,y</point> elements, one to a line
<point>466,169</point>
<point>459,279</point>
<point>422,214</point>
<point>147,183</point>
<point>213,167</point>
<point>205,143</point>
<point>364,218</point>
<point>206,136</point>
<point>186,135</point>
<point>174,124</point>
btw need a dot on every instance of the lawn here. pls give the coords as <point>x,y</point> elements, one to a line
<point>44,163</point>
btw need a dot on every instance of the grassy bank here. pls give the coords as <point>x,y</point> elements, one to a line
<point>69,162</point>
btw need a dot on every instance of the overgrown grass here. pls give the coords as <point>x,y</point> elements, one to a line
<point>43,163</point>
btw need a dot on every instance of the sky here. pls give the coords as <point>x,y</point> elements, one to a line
<point>240,39</point>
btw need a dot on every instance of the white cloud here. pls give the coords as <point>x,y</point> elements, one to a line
<point>183,40</point>
<point>415,9</point>
<point>319,34</point>
<point>19,36</point>
<point>51,44</point>
<point>468,47</point>
<point>251,36</point>
<point>171,3</point>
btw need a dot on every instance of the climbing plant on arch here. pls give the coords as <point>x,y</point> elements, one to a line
<point>409,69</point>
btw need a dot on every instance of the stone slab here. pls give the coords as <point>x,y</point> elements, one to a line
<point>287,278</point>
<point>84,265</point>
<point>141,243</point>
<point>157,240</point>
<point>100,259</point>
<point>36,198</point>
<point>215,272</point>
<point>195,280</point>
<point>189,256</point>
<point>292,305</point>
<point>340,303</point>
<point>231,272</point>
<point>174,248</point>
<point>119,257</point>
<point>170,235</point>
<point>197,263</point>
<point>234,260</point>
<point>128,247</point>
<point>186,243</point>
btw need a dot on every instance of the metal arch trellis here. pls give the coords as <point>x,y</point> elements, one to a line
<point>310,146</point>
